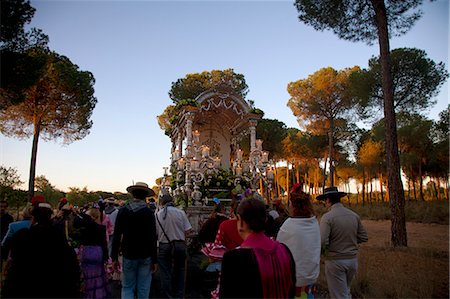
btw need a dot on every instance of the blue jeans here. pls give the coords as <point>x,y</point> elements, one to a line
<point>172,265</point>
<point>136,275</point>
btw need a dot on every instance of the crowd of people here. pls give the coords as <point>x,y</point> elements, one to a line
<point>254,250</point>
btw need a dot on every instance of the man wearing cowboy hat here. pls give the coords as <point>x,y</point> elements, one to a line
<point>135,234</point>
<point>341,231</point>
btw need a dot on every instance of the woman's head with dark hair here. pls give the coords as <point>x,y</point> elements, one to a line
<point>233,206</point>
<point>42,214</point>
<point>301,204</point>
<point>218,208</point>
<point>253,213</point>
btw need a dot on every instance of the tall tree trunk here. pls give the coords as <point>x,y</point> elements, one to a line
<point>335,176</point>
<point>37,131</point>
<point>330,152</point>
<point>325,172</point>
<point>387,193</point>
<point>409,188</point>
<point>315,182</point>
<point>414,188</point>
<point>396,194</point>
<point>381,187</point>
<point>446,188</point>
<point>287,178</point>
<point>433,189</point>
<point>307,182</point>
<point>439,188</point>
<point>421,183</point>
<point>412,180</point>
<point>276,176</point>
<point>357,193</point>
<point>363,189</point>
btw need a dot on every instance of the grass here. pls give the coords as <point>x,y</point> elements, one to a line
<point>419,271</point>
<point>415,211</point>
<point>400,273</point>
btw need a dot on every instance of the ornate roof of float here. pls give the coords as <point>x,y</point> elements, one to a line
<point>219,109</point>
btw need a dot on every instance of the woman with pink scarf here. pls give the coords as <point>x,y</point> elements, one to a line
<point>260,267</point>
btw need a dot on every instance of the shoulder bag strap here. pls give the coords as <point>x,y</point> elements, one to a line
<point>164,232</point>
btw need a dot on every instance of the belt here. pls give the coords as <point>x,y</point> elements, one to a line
<point>174,241</point>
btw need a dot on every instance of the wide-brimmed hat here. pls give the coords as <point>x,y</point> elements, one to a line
<point>331,192</point>
<point>110,200</point>
<point>141,186</point>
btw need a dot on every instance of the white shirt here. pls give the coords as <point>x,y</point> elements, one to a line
<point>175,225</point>
<point>302,237</point>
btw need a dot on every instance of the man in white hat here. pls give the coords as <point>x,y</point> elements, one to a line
<point>135,234</point>
<point>341,231</point>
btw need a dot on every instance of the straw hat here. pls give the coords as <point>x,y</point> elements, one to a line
<point>141,186</point>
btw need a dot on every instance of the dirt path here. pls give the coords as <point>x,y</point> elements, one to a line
<point>419,271</point>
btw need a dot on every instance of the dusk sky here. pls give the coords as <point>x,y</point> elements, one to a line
<point>136,49</point>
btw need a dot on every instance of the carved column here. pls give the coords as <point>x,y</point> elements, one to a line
<point>188,152</point>
<point>252,128</point>
<point>189,121</point>
<point>179,144</point>
<point>173,149</point>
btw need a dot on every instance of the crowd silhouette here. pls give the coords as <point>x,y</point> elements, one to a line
<point>252,249</point>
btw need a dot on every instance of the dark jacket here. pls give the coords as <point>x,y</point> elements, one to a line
<point>135,232</point>
<point>43,265</point>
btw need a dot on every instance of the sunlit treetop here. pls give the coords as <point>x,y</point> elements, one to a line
<point>189,87</point>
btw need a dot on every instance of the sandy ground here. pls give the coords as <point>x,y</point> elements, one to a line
<point>419,271</point>
<point>420,235</point>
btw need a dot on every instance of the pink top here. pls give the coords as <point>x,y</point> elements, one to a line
<point>109,226</point>
<point>275,265</point>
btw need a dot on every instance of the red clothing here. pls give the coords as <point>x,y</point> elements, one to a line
<point>227,238</point>
<point>260,268</point>
<point>228,234</point>
<point>275,265</point>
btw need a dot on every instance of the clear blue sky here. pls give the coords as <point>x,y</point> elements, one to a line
<point>137,49</point>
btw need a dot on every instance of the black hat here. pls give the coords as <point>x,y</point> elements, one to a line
<point>331,192</point>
